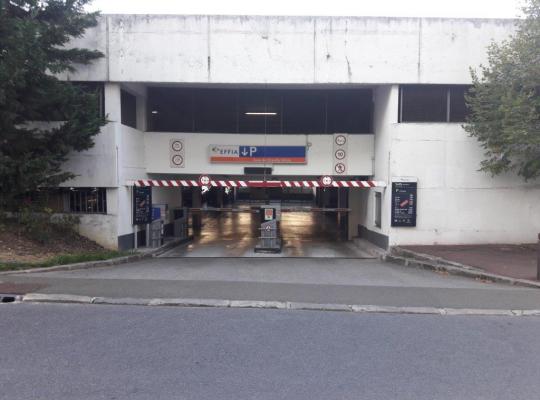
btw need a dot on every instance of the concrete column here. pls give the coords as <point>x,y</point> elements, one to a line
<point>325,197</point>
<point>343,217</point>
<point>219,197</point>
<point>196,202</point>
<point>318,192</point>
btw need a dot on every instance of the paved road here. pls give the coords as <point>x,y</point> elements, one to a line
<point>66,352</point>
<point>341,281</point>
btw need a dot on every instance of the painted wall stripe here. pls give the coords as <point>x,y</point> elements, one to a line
<point>254,183</point>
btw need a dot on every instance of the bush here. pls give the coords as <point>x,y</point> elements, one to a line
<point>66,224</point>
<point>36,225</point>
<point>42,225</point>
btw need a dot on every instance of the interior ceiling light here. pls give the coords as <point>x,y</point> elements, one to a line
<point>154,112</point>
<point>261,113</point>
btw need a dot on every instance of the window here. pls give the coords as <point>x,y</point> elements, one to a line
<point>349,111</point>
<point>458,108</point>
<point>378,209</point>
<point>170,110</point>
<point>128,109</point>
<point>432,103</point>
<point>271,111</point>
<point>259,111</point>
<point>88,200</point>
<point>304,111</point>
<point>214,111</point>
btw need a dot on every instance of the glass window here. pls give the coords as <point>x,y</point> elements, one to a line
<point>423,103</point>
<point>271,111</point>
<point>349,111</point>
<point>260,111</point>
<point>128,110</point>
<point>458,108</point>
<point>88,200</point>
<point>433,103</point>
<point>214,111</point>
<point>304,111</point>
<point>170,110</point>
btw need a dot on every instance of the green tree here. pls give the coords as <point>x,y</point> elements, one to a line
<point>504,102</point>
<point>33,34</point>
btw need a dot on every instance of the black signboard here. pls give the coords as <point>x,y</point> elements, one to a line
<point>142,205</point>
<point>404,203</point>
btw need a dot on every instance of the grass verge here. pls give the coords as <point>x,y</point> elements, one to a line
<point>63,259</point>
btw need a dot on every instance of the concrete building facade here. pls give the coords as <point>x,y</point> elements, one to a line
<point>408,74</point>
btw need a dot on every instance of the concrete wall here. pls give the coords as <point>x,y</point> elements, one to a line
<point>385,118</point>
<point>302,50</point>
<point>118,156</point>
<point>197,156</point>
<point>457,204</point>
<point>131,153</point>
<point>170,196</point>
<point>99,228</point>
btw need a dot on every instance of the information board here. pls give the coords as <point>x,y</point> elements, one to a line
<point>257,154</point>
<point>142,205</point>
<point>404,203</point>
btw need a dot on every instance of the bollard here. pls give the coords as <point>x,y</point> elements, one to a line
<point>538,259</point>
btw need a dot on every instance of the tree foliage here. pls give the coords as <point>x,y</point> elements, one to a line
<point>32,38</point>
<point>504,102</point>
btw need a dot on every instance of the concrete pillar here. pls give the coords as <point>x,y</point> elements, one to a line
<point>343,217</point>
<point>219,197</point>
<point>196,202</point>
<point>325,197</point>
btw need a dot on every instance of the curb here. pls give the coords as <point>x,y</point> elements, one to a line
<point>276,305</point>
<point>410,258</point>
<point>101,263</point>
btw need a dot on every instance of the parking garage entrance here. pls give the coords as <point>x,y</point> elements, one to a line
<point>231,218</point>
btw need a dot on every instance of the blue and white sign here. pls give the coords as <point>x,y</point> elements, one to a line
<point>257,154</point>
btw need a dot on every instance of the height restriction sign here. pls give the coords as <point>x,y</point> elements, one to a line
<point>340,149</point>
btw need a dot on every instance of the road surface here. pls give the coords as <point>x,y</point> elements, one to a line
<point>66,352</point>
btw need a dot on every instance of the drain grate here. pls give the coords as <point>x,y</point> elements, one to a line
<point>8,298</point>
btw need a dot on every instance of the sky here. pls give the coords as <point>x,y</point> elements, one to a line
<point>393,8</point>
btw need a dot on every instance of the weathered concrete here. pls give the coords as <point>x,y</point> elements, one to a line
<point>300,50</point>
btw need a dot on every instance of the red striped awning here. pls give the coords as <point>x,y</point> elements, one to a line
<point>254,183</point>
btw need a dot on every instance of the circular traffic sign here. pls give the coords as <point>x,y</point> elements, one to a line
<point>340,140</point>
<point>340,154</point>
<point>177,145</point>
<point>204,180</point>
<point>326,180</point>
<point>177,159</point>
<point>339,168</point>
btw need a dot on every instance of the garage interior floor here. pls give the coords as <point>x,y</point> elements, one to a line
<point>304,234</point>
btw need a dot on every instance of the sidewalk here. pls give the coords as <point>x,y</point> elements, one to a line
<point>301,280</point>
<point>515,261</point>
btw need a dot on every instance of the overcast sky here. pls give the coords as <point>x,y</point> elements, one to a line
<point>409,8</point>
